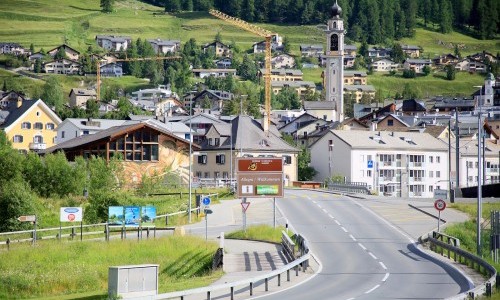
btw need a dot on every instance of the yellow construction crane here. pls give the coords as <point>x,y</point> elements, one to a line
<point>98,89</point>
<point>268,35</point>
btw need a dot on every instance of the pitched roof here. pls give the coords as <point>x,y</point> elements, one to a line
<point>413,105</point>
<point>114,38</point>
<point>82,92</point>
<point>15,113</point>
<point>65,46</point>
<point>308,105</point>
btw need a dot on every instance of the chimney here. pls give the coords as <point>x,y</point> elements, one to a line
<point>373,126</point>
<point>19,102</point>
<point>265,123</point>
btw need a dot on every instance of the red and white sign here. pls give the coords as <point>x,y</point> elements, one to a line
<point>71,214</point>
<point>439,204</point>
<point>31,218</point>
<point>245,205</point>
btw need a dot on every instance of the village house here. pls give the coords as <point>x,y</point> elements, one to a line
<point>417,65</point>
<point>284,74</point>
<point>300,87</point>
<point>78,97</point>
<point>276,44</point>
<point>311,50</point>
<point>355,77</point>
<point>212,100</point>
<point>324,110</point>
<point>283,61</point>
<point>13,48</point>
<point>113,43</point>
<point>202,73</point>
<point>62,66</point>
<point>358,91</point>
<point>471,65</point>
<point>165,46</point>
<point>223,63</point>
<point>445,59</point>
<point>29,124</point>
<point>379,52</point>
<point>112,70</point>
<point>69,52</point>
<point>220,49</point>
<point>411,51</point>
<point>384,65</point>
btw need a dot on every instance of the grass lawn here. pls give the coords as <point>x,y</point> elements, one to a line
<point>80,270</point>
<point>260,233</point>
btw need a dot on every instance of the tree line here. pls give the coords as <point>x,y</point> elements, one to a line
<point>374,20</point>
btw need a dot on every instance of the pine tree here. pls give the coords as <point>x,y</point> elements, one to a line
<point>107,6</point>
<point>248,10</point>
<point>445,20</point>
<point>188,5</point>
<point>172,6</point>
<point>53,93</point>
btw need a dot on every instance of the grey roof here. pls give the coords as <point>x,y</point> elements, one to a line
<point>359,87</point>
<point>83,92</point>
<point>311,47</point>
<point>350,47</point>
<point>448,102</point>
<point>11,114</point>
<point>94,124</point>
<point>410,47</point>
<point>350,73</point>
<point>161,42</point>
<point>114,38</point>
<point>283,72</point>
<point>418,61</point>
<point>249,135</point>
<point>361,139</point>
<point>293,84</point>
<point>308,105</point>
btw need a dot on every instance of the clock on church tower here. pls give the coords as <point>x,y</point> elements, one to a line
<point>334,73</point>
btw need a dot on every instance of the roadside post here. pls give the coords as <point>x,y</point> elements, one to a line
<point>30,218</point>
<point>440,205</point>
<point>206,210</point>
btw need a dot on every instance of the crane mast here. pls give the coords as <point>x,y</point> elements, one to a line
<point>267,67</point>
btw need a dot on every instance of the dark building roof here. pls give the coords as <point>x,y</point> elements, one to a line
<point>12,113</point>
<point>410,105</point>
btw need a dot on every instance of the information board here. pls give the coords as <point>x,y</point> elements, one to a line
<point>260,177</point>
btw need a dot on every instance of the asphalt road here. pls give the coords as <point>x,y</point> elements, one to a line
<point>362,255</point>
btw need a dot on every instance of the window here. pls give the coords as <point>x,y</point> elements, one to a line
<point>207,174</point>
<point>202,159</point>
<point>431,174</point>
<point>438,159</point>
<point>287,159</point>
<point>26,125</point>
<point>390,122</point>
<point>18,139</point>
<point>217,141</point>
<point>220,159</point>
<point>438,174</point>
<point>431,159</point>
<point>38,139</point>
<point>62,134</point>
<point>369,173</point>
<point>216,174</point>
<point>85,132</point>
<point>198,174</point>
<point>49,126</point>
<point>38,125</point>
<point>225,175</point>
<point>431,188</point>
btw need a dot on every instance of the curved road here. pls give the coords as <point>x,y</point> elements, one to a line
<point>362,255</point>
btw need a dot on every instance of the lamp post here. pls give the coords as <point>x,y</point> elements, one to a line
<point>479,174</point>
<point>190,163</point>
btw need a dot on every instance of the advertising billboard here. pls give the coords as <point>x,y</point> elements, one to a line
<point>115,216</point>
<point>71,214</point>
<point>132,216</point>
<point>148,216</point>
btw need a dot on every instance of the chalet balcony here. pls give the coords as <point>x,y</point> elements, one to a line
<point>38,146</point>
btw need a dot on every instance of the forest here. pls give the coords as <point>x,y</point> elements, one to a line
<point>373,21</point>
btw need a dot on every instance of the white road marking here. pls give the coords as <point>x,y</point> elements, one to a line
<point>382,264</point>
<point>385,277</point>
<point>372,289</point>
<point>338,223</point>
<point>345,230</point>
<point>361,245</point>
<point>353,238</point>
<point>325,211</point>
<point>314,202</point>
<point>372,255</point>
<point>331,216</point>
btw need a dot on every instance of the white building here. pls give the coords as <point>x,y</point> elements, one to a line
<point>113,43</point>
<point>71,128</point>
<point>62,66</point>
<point>165,46</point>
<point>162,92</point>
<point>395,164</point>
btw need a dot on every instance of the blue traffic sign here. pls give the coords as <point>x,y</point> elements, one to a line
<point>206,201</point>
<point>370,164</point>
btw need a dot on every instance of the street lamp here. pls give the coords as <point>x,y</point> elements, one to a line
<point>479,172</point>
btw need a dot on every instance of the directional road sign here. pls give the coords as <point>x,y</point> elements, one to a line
<point>206,201</point>
<point>31,218</point>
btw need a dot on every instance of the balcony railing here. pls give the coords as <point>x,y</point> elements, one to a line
<point>38,146</point>
<point>416,164</point>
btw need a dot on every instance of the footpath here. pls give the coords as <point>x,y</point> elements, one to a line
<point>246,259</point>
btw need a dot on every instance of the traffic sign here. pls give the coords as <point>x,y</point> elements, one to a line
<point>260,164</point>
<point>439,204</point>
<point>208,211</point>
<point>31,218</point>
<point>245,205</point>
<point>206,201</point>
<point>370,164</point>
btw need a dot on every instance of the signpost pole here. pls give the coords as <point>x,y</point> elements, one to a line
<point>244,216</point>
<point>439,219</point>
<point>274,212</point>
<point>206,227</point>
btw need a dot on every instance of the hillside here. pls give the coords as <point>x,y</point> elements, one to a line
<point>48,24</point>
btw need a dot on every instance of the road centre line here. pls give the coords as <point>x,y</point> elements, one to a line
<point>331,216</point>
<point>382,264</point>
<point>338,223</point>
<point>385,277</point>
<point>372,289</point>
<point>372,255</point>
<point>361,245</point>
<point>345,230</point>
<point>325,211</point>
<point>352,237</point>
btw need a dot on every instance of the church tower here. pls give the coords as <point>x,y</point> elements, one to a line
<point>334,73</point>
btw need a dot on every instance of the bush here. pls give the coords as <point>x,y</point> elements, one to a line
<point>16,199</point>
<point>409,73</point>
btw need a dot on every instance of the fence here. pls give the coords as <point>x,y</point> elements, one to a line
<point>437,244</point>
<point>348,187</point>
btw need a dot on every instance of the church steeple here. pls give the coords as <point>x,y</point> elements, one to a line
<point>334,83</point>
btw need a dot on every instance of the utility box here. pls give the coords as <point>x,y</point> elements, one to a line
<point>133,282</point>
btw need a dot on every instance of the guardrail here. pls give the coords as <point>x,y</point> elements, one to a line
<point>348,188</point>
<point>246,282</point>
<point>463,257</point>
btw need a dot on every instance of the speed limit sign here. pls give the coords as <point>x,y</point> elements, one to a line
<point>440,204</point>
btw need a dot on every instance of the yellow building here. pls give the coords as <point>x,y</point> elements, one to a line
<point>29,124</point>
